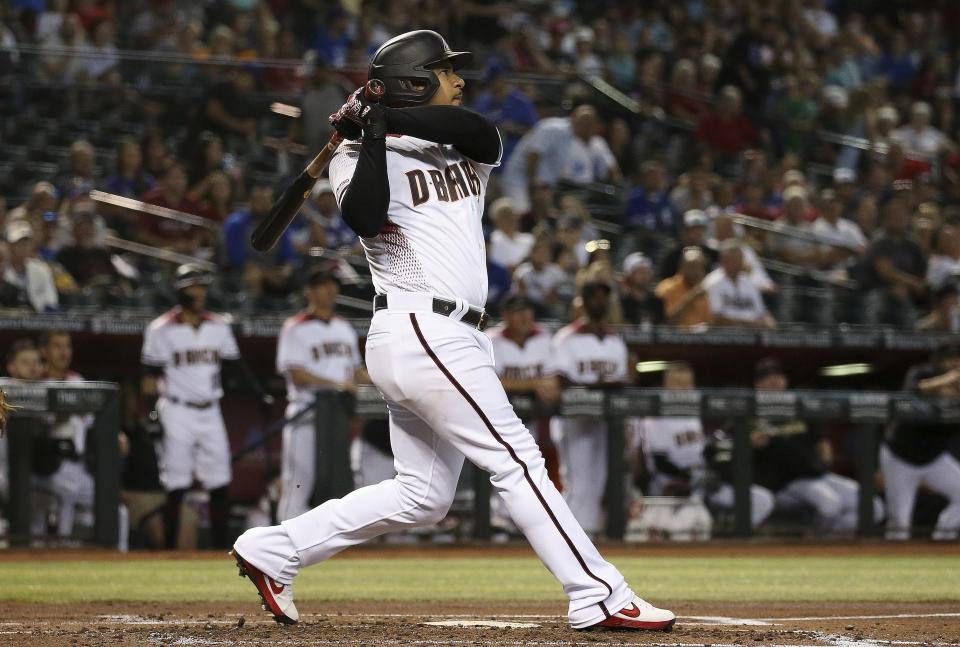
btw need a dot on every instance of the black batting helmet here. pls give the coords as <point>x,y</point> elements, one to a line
<point>191,274</point>
<point>403,63</point>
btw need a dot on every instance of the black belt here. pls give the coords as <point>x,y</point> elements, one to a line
<point>193,405</point>
<point>473,317</point>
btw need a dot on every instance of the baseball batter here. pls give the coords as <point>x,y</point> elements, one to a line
<point>920,454</point>
<point>316,350</point>
<point>182,354</point>
<point>416,199</point>
<point>587,353</point>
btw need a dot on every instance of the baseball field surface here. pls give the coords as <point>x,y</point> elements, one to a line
<point>841,595</point>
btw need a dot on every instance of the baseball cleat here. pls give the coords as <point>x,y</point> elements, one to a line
<point>639,615</point>
<point>277,598</point>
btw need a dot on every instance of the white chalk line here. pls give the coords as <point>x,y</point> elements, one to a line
<point>892,616</point>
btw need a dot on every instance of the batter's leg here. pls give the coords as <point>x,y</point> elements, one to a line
<point>428,468</point>
<point>448,378</point>
<point>297,469</point>
<point>901,481</point>
<point>943,476</point>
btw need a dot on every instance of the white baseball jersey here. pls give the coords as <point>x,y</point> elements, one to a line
<point>585,358</point>
<point>678,438</point>
<point>739,300</point>
<point>527,362</point>
<point>327,349</point>
<point>190,356</point>
<point>432,241</point>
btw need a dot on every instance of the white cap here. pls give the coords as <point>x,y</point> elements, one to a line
<point>888,113</point>
<point>836,96</point>
<point>844,175</point>
<point>695,218</point>
<point>792,192</point>
<point>635,260</point>
<point>18,230</point>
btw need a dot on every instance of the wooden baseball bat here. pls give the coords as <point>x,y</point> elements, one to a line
<point>286,208</point>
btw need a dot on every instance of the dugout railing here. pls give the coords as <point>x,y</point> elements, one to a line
<point>40,403</point>
<point>868,412</point>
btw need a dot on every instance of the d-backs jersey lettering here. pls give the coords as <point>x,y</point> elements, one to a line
<point>585,358</point>
<point>432,241</point>
<point>190,357</point>
<point>327,349</point>
<point>515,362</point>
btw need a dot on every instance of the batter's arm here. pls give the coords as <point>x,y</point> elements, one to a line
<point>472,134</point>
<point>364,205</point>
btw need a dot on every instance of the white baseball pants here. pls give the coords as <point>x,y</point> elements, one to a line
<point>297,466</point>
<point>195,445</point>
<point>582,447</point>
<point>446,402</point>
<point>902,481</point>
<point>834,499</point>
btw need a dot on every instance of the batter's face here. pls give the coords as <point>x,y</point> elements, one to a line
<point>450,92</point>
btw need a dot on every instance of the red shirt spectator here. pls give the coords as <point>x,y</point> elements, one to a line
<point>726,130</point>
<point>164,232</point>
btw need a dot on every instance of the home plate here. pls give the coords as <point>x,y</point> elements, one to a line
<point>499,624</point>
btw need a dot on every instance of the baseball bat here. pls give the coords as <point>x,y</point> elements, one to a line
<point>287,206</point>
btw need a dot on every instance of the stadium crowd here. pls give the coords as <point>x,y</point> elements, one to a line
<point>713,162</point>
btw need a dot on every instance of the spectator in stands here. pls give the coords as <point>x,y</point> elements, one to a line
<point>919,138</point>
<point>263,273</point>
<point>156,155</point>
<point>638,299</point>
<point>559,148</point>
<point>507,106</point>
<point>799,109</point>
<point>508,245</point>
<point>43,198</point>
<point>323,96</point>
<point>897,63</point>
<point>78,180</point>
<point>725,229</point>
<point>866,216</point>
<point>543,213</point>
<point>894,267</point>
<point>229,109</point>
<point>100,58</point>
<point>830,226</point>
<point>207,157</point>
<point>726,131</point>
<point>622,63</point>
<point>791,460</point>
<point>543,282</point>
<point>944,265</point>
<point>171,192</point>
<point>322,225</point>
<point>333,36</point>
<point>794,249</point>
<point>924,453</point>
<point>129,179</point>
<point>62,62</point>
<point>845,189</point>
<point>27,280</point>
<point>945,316</point>
<point>693,234</point>
<point>648,205</point>
<point>684,294</point>
<point>87,260</point>
<point>683,100</point>
<point>692,191</point>
<point>215,196</point>
<point>734,298</point>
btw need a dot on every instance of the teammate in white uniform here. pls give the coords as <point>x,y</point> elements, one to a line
<point>523,358</point>
<point>916,454</point>
<point>587,353</point>
<point>182,354</point>
<point>417,206</point>
<point>316,351</point>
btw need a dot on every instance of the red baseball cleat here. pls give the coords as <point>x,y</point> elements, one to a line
<point>277,598</point>
<point>639,615</point>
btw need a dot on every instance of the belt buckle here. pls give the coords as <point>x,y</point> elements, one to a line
<point>482,324</point>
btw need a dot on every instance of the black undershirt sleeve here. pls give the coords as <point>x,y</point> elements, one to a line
<point>472,134</point>
<point>364,205</point>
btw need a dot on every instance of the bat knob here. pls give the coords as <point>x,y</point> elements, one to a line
<point>375,89</point>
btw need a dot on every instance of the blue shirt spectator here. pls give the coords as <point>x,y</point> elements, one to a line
<point>898,64</point>
<point>508,107</point>
<point>648,205</point>
<point>237,229</point>
<point>333,38</point>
